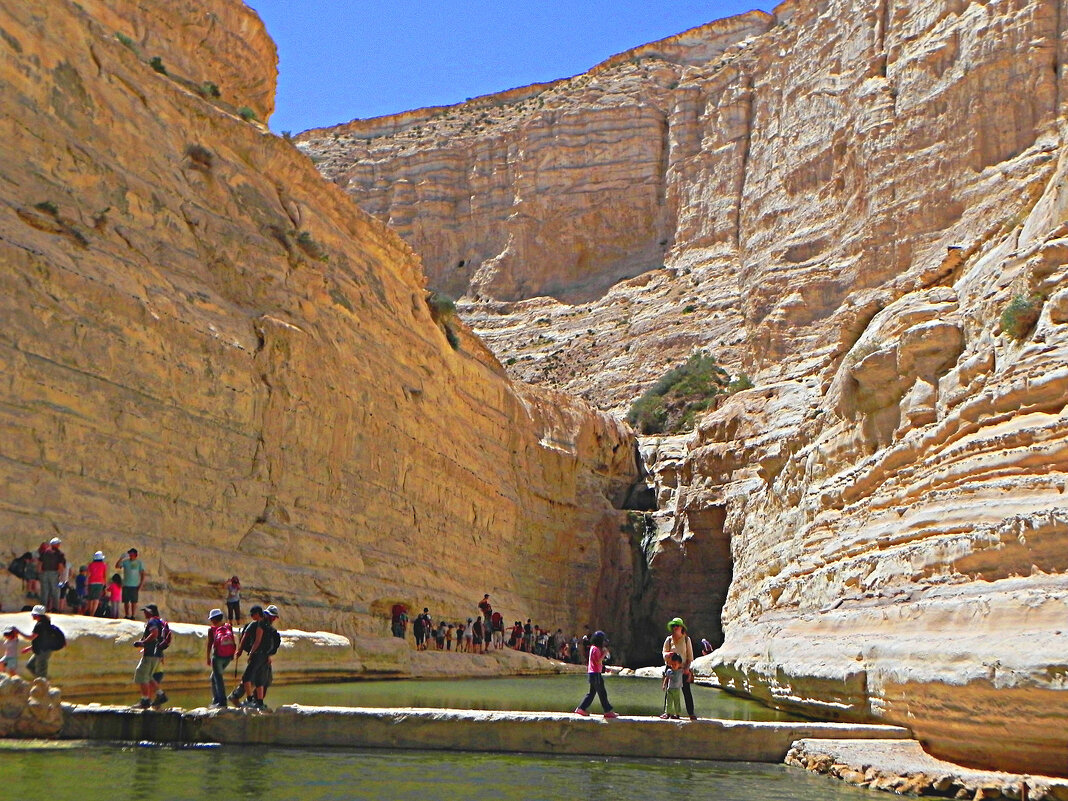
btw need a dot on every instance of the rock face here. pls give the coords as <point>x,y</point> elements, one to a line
<point>862,206</point>
<point>210,353</point>
<point>29,709</point>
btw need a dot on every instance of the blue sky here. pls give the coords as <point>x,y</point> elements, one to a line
<point>345,59</point>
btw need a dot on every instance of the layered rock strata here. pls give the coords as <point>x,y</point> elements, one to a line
<point>211,354</point>
<point>861,206</point>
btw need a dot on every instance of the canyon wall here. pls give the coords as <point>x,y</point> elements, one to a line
<point>210,354</point>
<point>862,206</point>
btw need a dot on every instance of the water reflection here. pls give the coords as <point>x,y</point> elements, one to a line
<point>270,774</point>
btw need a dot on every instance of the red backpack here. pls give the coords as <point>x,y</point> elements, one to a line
<point>225,642</point>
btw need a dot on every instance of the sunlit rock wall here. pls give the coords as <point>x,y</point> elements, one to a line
<point>211,354</point>
<point>849,197</point>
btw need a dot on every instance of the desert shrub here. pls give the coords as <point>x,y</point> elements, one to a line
<point>1020,316</point>
<point>247,114</point>
<point>740,382</point>
<point>125,40</point>
<point>672,404</point>
<point>307,243</point>
<point>441,305</point>
<point>209,89</point>
<point>156,63</point>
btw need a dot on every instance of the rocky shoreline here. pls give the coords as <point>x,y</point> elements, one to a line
<point>903,768</point>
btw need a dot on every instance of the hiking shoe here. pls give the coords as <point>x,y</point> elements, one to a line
<point>581,711</point>
<point>235,696</point>
<point>218,705</point>
<point>144,703</point>
<point>673,717</point>
<point>611,715</point>
<point>160,699</point>
<point>665,716</point>
<point>693,717</point>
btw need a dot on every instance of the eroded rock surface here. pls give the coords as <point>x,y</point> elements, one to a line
<point>211,354</point>
<point>849,199</point>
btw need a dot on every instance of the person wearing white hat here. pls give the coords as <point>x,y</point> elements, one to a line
<point>221,649</point>
<point>52,563</point>
<point>44,639</point>
<point>98,577</point>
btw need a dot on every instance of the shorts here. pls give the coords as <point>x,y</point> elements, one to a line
<point>256,671</point>
<point>146,667</point>
<point>96,591</point>
<point>129,594</point>
<point>9,662</point>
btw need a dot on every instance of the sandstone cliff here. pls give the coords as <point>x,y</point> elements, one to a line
<point>210,353</point>
<point>862,206</point>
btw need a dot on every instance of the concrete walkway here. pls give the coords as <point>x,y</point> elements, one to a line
<point>463,730</point>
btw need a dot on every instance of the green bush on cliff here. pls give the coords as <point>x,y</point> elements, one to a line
<point>1021,315</point>
<point>672,404</point>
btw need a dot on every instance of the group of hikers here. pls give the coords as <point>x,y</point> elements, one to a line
<point>47,579</point>
<point>45,574</point>
<point>486,631</point>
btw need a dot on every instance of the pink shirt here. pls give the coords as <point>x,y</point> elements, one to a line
<point>596,664</point>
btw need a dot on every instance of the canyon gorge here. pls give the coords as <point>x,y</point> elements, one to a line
<point>219,346</point>
<point>860,208</point>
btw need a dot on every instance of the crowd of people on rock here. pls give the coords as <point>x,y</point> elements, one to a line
<point>46,578</point>
<point>485,631</point>
<point>52,583</point>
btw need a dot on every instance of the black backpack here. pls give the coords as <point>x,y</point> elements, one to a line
<point>18,565</point>
<point>55,639</point>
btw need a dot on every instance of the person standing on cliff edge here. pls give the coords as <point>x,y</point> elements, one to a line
<point>678,642</point>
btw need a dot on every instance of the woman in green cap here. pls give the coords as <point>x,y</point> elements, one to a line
<point>678,642</point>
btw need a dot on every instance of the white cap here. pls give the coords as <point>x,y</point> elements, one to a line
<point>214,613</point>
<point>39,610</point>
<point>98,556</point>
<point>55,541</point>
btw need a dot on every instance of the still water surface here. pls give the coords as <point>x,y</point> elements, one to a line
<point>134,773</point>
<point>628,694</point>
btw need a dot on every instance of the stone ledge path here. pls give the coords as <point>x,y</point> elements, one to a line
<point>463,730</point>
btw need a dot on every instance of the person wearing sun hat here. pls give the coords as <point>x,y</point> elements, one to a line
<point>98,577</point>
<point>678,642</point>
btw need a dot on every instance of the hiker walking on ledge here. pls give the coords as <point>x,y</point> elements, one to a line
<point>598,652</point>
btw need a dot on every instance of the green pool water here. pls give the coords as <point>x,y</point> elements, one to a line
<point>628,694</point>
<point>132,773</point>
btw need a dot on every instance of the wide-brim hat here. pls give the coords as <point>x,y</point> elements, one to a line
<point>676,621</point>
<point>39,610</point>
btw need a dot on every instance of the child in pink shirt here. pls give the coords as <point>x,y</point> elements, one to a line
<point>595,672</point>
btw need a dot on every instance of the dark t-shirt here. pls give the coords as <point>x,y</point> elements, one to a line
<point>248,636</point>
<point>152,646</point>
<point>43,630</point>
<point>52,559</point>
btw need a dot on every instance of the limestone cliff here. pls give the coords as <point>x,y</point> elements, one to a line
<point>862,206</point>
<point>210,353</point>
